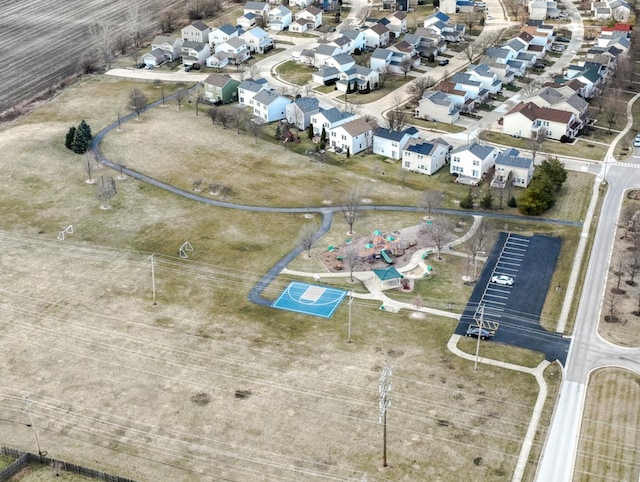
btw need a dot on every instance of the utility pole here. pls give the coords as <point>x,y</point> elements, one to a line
<point>384,403</point>
<point>152,258</point>
<point>350,302</point>
<point>27,410</point>
<point>480,325</point>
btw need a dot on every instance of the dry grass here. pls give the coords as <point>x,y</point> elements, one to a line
<point>42,473</point>
<point>609,437</point>
<point>114,377</point>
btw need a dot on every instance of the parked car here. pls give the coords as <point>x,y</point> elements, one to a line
<point>539,66</point>
<point>502,279</point>
<point>564,40</point>
<point>141,65</point>
<point>443,62</point>
<point>476,331</point>
<point>149,67</point>
<point>636,142</point>
<point>558,48</point>
<point>188,68</point>
<point>489,17</point>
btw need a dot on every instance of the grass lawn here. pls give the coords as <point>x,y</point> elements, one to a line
<point>581,149</point>
<point>437,126</point>
<point>294,73</point>
<point>43,473</point>
<point>390,85</point>
<point>610,432</point>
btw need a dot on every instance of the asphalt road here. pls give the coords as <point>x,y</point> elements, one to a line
<point>530,261</point>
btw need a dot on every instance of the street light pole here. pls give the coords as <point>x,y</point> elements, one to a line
<point>349,330</point>
<point>481,324</point>
<point>384,403</point>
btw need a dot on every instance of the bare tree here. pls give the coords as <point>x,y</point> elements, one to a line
<point>438,232</point>
<point>105,190</point>
<point>472,51</point>
<point>406,64</point>
<point>212,113</point>
<point>625,220</point>
<point>611,108</point>
<point>383,74</point>
<point>88,63</point>
<point>224,116</point>
<point>102,34</point>
<point>307,237</point>
<point>351,260</point>
<point>419,86</point>
<point>632,266</point>
<point>470,19</point>
<point>537,141</point>
<point>252,73</point>
<point>138,22</point>
<point>402,175</point>
<point>430,200</point>
<point>180,96</point>
<point>197,97</point>
<point>137,100</point>
<point>121,42</point>
<point>168,20</point>
<point>90,165</point>
<point>477,243</point>
<point>397,117</point>
<point>254,129</point>
<point>240,119</point>
<point>618,271</point>
<point>351,207</point>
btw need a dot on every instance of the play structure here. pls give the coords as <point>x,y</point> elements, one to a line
<point>382,245</point>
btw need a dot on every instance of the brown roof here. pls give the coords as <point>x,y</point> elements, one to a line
<point>525,36</point>
<point>535,48</point>
<point>402,46</point>
<point>449,88</point>
<point>218,80</point>
<point>313,10</point>
<point>400,15</point>
<point>533,112</point>
<point>533,31</point>
<point>356,127</point>
<point>379,29</point>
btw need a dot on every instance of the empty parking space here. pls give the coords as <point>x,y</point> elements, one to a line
<point>510,294</point>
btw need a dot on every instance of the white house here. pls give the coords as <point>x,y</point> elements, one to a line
<point>377,36</point>
<point>195,53</point>
<point>482,73</point>
<point>471,161</point>
<point>390,143</point>
<point>259,9</point>
<point>217,61</point>
<point>353,136</point>
<point>300,3</point>
<point>436,106</point>
<point>528,120</point>
<point>328,119</point>
<point>223,33</point>
<point>299,111</point>
<point>556,99</point>
<point>196,32</point>
<point>171,47</point>
<point>235,49</point>
<point>311,14</point>
<point>248,89</point>
<point>270,106</point>
<point>356,38</point>
<point>358,78</point>
<point>249,20</point>
<point>380,59</point>
<point>397,23</point>
<point>279,18</point>
<point>425,157</point>
<point>510,164</point>
<point>257,40</point>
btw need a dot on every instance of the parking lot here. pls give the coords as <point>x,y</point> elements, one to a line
<point>513,310</point>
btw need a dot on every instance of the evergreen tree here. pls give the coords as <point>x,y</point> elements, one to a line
<point>278,133</point>
<point>68,142</point>
<point>81,138</point>
<point>487,200</point>
<point>467,202</point>
<point>310,131</point>
<point>323,136</point>
<point>348,153</point>
<point>512,203</point>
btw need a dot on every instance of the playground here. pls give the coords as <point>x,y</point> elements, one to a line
<point>375,250</point>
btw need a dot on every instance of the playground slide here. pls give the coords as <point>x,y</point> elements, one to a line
<point>386,256</point>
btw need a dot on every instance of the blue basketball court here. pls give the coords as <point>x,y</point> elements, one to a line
<point>310,299</point>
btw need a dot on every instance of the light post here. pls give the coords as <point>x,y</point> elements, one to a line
<point>349,330</point>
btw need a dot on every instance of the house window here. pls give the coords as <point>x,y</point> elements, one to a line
<point>476,162</point>
<point>420,157</point>
<point>344,138</point>
<point>456,159</point>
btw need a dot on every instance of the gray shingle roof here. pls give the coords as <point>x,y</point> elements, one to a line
<point>255,5</point>
<point>335,115</point>
<point>266,97</point>
<point>307,104</point>
<point>480,151</point>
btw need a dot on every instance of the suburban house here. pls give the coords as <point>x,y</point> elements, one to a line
<point>279,18</point>
<point>248,89</point>
<point>502,71</point>
<point>342,42</point>
<point>425,157</point>
<point>353,136</point>
<point>537,9</point>
<point>325,75</point>
<point>380,59</point>
<point>475,89</point>
<point>470,162</point>
<point>257,40</point>
<point>482,73</point>
<point>397,23</point>
<point>217,60</point>
<point>357,40</point>
<point>249,20</point>
<point>590,77</point>
<point>431,43</point>
<point>358,78</point>
<point>342,62</point>
<point>223,33</point>
<point>221,88</point>
<point>163,49</point>
<point>436,17</point>
<point>259,10</point>
<point>299,112</point>
<point>499,55</point>
<point>510,164</point>
<point>196,32</point>
<point>403,52</point>
<point>328,119</point>
<point>528,120</point>
<point>554,98</point>
<point>311,14</point>
<point>377,36</point>
<point>324,52</point>
<point>436,106</point>
<point>270,106</point>
<point>195,53</point>
<point>390,143</point>
<point>301,3</point>
<point>300,25</point>
<point>460,98</point>
<point>235,49</point>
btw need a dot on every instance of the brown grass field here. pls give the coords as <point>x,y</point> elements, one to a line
<point>204,385</point>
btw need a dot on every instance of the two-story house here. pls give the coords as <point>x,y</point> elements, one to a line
<point>299,112</point>
<point>377,36</point>
<point>436,106</point>
<point>328,119</point>
<point>471,161</point>
<point>556,99</point>
<point>270,106</point>
<point>163,49</point>
<point>223,33</point>
<point>380,59</point>
<point>311,14</point>
<point>353,137</point>
<point>235,49</point>
<point>358,78</point>
<point>279,18</point>
<point>390,143</point>
<point>221,88</point>
<point>357,39</point>
<point>248,89</point>
<point>257,40</point>
<point>198,31</point>
<point>425,156</point>
<point>482,73</point>
<point>397,23</point>
<point>528,120</point>
<point>474,88</point>
<point>195,53</point>
<point>511,165</point>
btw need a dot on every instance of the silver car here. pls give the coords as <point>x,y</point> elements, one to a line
<point>502,280</point>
